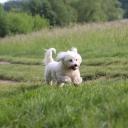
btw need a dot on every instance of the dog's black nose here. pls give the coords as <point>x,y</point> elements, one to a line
<point>75,65</point>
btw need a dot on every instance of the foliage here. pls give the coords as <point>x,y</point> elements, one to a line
<point>19,22</point>
<point>64,12</point>
<point>31,15</point>
<point>57,12</point>
<point>1,10</point>
<point>124,4</point>
<point>13,23</point>
<point>113,10</point>
<point>4,27</point>
<point>84,10</point>
<point>39,23</point>
<point>98,10</point>
<point>42,8</point>
<point>13,5</point>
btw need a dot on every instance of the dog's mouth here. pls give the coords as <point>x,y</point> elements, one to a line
<point>73,67</point>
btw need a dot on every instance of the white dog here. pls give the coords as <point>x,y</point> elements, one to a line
<point>65,69</point>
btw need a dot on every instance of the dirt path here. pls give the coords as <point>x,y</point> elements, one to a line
<point>4,62</point>
<point>7,82</point>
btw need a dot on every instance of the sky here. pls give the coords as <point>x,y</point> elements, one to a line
<point>2,1</point>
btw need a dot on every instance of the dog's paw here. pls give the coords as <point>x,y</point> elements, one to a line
<point>67,79</point>
<point>77,81</point>
<point>64,79</point>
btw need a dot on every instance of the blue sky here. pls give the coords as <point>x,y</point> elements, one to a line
<point>2,1</point>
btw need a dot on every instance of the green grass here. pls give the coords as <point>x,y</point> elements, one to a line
<point>19,72</point>
<point>94,105</point>
<point>101,101</point>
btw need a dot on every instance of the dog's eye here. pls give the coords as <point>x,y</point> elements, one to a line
<point>70,60</point>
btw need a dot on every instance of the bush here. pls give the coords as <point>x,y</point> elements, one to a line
<point>39,23</point>
<point>56,11</point>
<point>13,23</point>
<point>4,27</point>
<point>65,14</point>
<point>98,10</point>
<point>124,5</point>
<point>20,22</point>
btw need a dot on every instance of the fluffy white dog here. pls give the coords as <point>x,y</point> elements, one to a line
<point>65,69</point>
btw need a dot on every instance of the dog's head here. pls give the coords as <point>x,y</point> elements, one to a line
<point>71,59</point>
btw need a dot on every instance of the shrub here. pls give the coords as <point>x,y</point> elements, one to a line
<point>4,23</point>
<point>20,22</point>
<point>13,23</point>
<point>39,22</point>
<point>65,14</point>
<point>98,10</point>
<point>56,11</point>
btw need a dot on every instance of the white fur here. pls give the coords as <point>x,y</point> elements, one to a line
<point>48,55</point>
<point>65,69</point>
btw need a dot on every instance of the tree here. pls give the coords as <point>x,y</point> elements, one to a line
<point>4,23</point>
<point>65,14</point>
<point>112,9</point>
<point>98,10</point>
<point>124,5</point>
<point>20,22</point>
<point>56,11</point>
<point>13,5</point>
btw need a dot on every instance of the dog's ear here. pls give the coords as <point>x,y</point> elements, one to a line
<point>74,49</point>
<point>61,56</point>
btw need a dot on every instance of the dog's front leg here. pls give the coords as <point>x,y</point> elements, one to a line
<point>48,79</point>
<point>64,79</point>
<point>77,80</point>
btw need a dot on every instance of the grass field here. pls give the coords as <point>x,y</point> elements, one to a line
<point>100,102</point>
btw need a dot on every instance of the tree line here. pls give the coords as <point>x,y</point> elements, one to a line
<point>36,14</point>
<point>124,5</point>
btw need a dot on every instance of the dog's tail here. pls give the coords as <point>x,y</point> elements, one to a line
<point>74,49</point>
<point>48,55</point>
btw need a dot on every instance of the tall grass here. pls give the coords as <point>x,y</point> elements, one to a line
<point>100,102</point>
<point>91,106</point>
<point>92,40</point>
